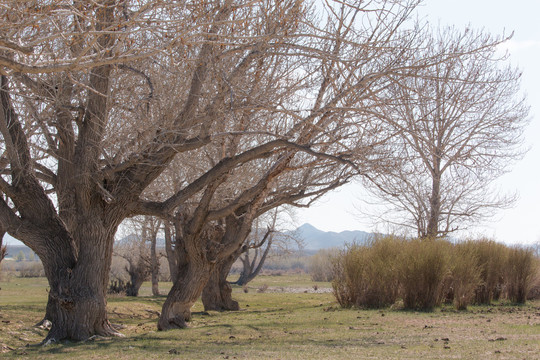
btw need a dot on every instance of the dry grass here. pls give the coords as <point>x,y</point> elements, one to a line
<point>277,326</point>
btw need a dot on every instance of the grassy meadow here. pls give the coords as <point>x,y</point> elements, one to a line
<point>288,320</point>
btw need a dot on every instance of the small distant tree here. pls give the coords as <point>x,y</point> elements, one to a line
<point>260,242</point>
<point>20,256</point>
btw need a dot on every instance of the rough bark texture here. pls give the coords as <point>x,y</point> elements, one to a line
<point>217,294</point>
<point>77,305</point>
<point>197,251</point>
<point>154,264</point>
<point>171,254</point>
<point>176,311</point>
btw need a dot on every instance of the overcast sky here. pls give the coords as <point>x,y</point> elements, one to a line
<point>521,224</point>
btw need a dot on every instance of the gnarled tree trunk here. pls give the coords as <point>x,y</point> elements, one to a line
<point>217,294</point>
<point>176,311</point>
<point>77,299</point>
<point>197,252</point>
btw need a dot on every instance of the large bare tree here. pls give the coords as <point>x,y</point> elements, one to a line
<point>458,127</point>
<point>88,122</point>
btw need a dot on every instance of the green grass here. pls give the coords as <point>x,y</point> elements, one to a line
<point>276,325</point>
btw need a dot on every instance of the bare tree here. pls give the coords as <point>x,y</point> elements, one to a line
<point>264,237</point>
<point>458,127</point>
<point>86,126</point>
<point>98,99</point>
<point>217,292</point>
<point>252,261</point>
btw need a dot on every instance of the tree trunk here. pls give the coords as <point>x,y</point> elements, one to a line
<point>171,254</point>
<point>217,294</point>
<point>136,280</point>
<point>246,269</point>
<point>77,298</point>
<point>3,249</point>
<point>176,311</point>
<point>432,230</point>
<point>154,263</point>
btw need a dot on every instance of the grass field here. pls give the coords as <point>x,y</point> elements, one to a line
<point>284,322</point>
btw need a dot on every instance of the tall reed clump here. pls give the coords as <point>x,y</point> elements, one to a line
<point>366,275</point>
<point>492,259</point>
<point>520,271</point>
<point>424,272</point>
<point>464,277</point>
<point>423,266</point>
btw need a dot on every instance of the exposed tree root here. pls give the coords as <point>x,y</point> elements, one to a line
<point>177,322</point>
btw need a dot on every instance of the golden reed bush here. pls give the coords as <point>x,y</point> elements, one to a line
<point>425,272</point>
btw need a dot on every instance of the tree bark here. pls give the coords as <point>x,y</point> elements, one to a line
<point>432,230</point>
<point>77,298</point>
<point>171,254</point>
<point>217,294</point>
<point>197,252</point>
<point>176,311</point>
<point>154,262</point>
<point>137,276</point>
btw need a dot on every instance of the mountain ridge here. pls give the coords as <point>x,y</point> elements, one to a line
<point>315,239</point>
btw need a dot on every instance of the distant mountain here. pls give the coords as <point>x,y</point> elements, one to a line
<point>315,239</point>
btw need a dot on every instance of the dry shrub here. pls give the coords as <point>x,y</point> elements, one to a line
<point>320,265</point>
<point>423,266</point>
<point>31,269</point>
<point>365,275</point>
<point>464,276</point>
<point>534,292</point>
<point>520,271</point>
<point>491,257</point>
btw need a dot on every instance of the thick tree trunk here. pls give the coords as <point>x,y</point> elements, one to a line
<point>217,294</point>
<point>176,311</point>
<point>136,280</point>
<point>77,298</point>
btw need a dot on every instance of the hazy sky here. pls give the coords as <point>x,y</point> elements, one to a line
<point>521,224</point>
